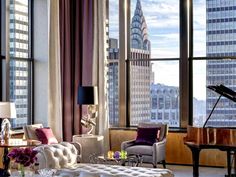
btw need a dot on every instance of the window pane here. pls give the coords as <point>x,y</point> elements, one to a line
<point>19,70</point>
<point>199,27</point>
<point>217,72</point>
<point>154,94</point>
<point>113,63</point>
<point>155,27</point>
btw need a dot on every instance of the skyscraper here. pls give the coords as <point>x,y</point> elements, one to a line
<point>19,48</point>
<point>221,42</point>
<point>140,75</point>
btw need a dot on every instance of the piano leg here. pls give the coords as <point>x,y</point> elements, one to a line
<point>229,163</point>
<point>229,160</point>
<point>195,157</point>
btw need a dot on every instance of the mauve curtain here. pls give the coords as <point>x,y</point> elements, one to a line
<point>76,59</point>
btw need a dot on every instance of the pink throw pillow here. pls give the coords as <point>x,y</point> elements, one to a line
<point>46,136</point>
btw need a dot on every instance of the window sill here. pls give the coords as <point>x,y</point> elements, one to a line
<point>171,130</point>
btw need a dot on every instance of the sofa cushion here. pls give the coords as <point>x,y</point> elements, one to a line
<point>146,136</point>
<point>46,136</point>
<point>140,149</point>
<point>163,128</point>
<point>29,131</point>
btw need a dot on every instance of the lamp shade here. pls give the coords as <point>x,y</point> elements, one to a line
<point>7,110</point>
<point>87,95</point>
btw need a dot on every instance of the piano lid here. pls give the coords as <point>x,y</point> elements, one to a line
<point>223,90</point>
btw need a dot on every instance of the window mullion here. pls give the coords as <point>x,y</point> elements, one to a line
<point>184,65</point>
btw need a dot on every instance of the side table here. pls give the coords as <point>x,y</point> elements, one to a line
<point>11,143</point>
<point>91,144</point>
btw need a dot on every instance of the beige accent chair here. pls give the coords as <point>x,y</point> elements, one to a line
<point>151,154</point>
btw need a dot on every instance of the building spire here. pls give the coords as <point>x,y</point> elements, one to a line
<point>139,35</point>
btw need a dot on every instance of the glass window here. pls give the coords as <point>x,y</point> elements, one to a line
<point>154,34</point>
<point>155,28</point>
<point>20,62</point>
<point>153,90</point>
<point>113,62</point>
<point>216,27</point>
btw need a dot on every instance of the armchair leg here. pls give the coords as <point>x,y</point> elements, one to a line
<point>164,163</point>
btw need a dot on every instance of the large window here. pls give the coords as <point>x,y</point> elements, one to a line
<point>214,60</point>
<point>154,47</point>
<point>175,49</point>
<point>113,63</point>
<point>18,53</point>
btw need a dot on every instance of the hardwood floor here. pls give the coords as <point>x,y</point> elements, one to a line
<point>186,171</point>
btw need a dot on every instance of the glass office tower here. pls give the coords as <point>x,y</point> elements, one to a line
<point>221,42</point>
<point>19,69</point>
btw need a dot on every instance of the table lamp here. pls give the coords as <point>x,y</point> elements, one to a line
<point>7,111</point>
<point>88,95</point>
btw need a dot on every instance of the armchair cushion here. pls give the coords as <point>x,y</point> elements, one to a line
<point>140,149</point>
<point>147,136</point>
<point>163,128</point>
<point>46,136</point>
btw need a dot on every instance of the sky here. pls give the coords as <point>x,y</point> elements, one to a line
<point>162,18</point>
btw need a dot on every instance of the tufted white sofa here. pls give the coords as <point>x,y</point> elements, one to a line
<point>64,158</point>
<point>59,155</point>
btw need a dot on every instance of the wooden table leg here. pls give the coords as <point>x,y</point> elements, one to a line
<point>6,162</point>
<point>195,157</point>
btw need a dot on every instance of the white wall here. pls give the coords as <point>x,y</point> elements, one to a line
<point>40,62</point>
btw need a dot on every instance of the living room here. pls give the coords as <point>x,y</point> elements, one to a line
<point>118,88</point>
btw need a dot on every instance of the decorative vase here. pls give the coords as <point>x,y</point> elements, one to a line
<point>22,170</point>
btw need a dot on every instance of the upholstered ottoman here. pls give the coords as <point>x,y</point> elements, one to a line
<point>101,170</point>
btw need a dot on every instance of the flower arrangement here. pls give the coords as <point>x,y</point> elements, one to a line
<point>117,154</point>
<point>24,157</point>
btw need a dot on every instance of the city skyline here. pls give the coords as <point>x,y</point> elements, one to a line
<point>162,18</point>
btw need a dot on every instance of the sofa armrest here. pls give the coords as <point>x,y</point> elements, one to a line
<point>126,144</point>
<point>159,151</point>
<point>79,149</point>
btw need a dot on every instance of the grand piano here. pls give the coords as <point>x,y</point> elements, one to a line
<point>224,139</point>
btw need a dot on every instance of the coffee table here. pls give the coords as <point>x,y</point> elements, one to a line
<point>131,160</point>
<point>11,143</point>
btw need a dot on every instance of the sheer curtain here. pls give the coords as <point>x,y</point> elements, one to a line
<point>54,84</point>
<point>100,69</point>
